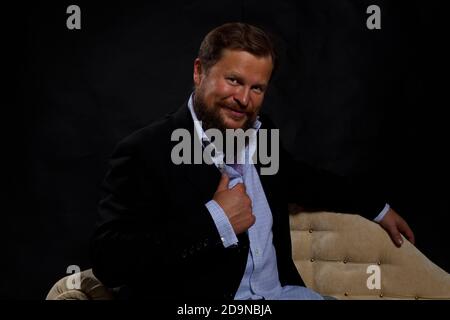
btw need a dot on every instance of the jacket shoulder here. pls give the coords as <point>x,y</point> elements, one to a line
<point>154,133</point>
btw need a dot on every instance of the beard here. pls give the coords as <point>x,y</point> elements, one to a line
<point>210,115</point>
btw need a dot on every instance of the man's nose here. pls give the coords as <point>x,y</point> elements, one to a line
<point>242,96</point>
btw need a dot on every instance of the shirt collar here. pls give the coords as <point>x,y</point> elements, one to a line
<point>218,157</point>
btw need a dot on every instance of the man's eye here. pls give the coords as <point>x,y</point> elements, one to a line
<point>232,81</point>
<point>257,89</point>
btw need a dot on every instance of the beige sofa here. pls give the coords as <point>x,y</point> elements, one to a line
<point>340,255</point>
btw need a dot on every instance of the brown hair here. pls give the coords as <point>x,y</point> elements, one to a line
<point>235,36</point>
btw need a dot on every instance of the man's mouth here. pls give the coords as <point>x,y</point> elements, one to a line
<point>235,113</point>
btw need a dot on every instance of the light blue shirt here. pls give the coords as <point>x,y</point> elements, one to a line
<point>260,279</point>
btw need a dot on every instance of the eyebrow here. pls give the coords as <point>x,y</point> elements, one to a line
<point>238,77</point>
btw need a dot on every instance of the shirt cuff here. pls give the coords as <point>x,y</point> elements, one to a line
<point>383,212</point>
<point>223,225</point>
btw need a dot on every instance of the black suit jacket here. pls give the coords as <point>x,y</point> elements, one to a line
<point>156,237</point>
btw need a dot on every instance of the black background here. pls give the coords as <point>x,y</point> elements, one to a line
<point>348,99</point>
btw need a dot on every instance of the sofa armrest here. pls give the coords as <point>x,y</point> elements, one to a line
<point>333,253</point>
<point>90,288</point>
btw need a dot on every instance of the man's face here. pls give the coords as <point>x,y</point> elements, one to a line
<point>229,95</point>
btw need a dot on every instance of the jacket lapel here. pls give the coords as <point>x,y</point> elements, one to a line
<point>203,177</point>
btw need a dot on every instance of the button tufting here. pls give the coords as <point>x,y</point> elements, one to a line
<point>312,260</point>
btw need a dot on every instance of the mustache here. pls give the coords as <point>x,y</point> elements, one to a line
<point>236,107</point>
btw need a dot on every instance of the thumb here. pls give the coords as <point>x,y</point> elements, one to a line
<point>223,183</point>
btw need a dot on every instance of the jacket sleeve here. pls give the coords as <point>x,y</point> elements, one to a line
<point>317,189</point>
<point>136,240</point>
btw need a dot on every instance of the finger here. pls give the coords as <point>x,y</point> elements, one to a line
<point>223,183</point>
<point>252,220</point>
<point>239,187</point>
<point>407,232</point>
<point>395,236</point>
<point>249,202</point>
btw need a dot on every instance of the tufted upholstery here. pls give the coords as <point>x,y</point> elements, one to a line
<point>90,289</point>
<point>332,252</point>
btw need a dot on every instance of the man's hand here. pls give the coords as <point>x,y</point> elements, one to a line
<point>236,204</point>
<point>394,226</point>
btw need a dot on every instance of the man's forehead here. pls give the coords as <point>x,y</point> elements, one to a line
<point>242,55</point>
<point>244,63</point>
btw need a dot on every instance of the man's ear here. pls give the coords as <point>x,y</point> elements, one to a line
<point>198,72</point>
